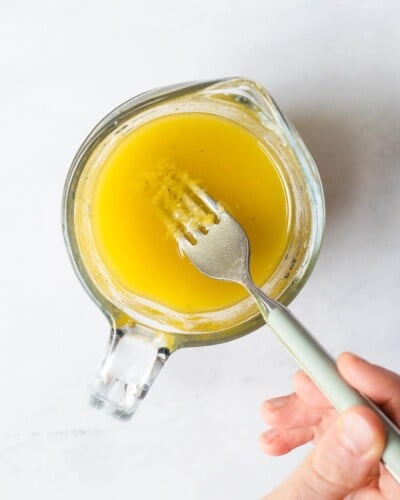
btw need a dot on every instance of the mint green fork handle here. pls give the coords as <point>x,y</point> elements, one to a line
<point>319,365</point>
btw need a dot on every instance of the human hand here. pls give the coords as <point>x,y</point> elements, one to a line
<point>345,461</point>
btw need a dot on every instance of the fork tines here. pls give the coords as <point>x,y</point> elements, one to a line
<point>186,208</point>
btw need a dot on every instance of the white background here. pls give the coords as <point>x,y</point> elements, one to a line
<point>333,66</point>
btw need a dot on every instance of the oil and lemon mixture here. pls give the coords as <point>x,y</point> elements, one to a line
<point>229,163</point>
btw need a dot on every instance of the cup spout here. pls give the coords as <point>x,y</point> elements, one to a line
<point>134,358</point>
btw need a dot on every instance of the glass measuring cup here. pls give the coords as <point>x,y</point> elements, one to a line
<point>144,333</point>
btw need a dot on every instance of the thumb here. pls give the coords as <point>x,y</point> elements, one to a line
<point>341,462</point>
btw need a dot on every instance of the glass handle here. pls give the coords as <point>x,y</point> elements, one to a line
<point>134,358</point>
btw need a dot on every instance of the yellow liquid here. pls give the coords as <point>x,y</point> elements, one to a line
<point>230,164</point>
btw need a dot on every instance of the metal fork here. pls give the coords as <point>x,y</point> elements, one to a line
<point>220,249</point>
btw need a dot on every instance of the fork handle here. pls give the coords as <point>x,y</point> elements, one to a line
<point>321,367</point>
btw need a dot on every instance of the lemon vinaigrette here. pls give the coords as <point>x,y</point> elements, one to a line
<point>229,163</point>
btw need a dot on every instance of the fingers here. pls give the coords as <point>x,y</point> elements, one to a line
<point>388,485</point>
<point>379,384</point>
<point>278,442</point>
<point>289,412</point>
<point>308,392</point>
<point>343,460</point>
<point>368,493</point>
<point>293,422</point>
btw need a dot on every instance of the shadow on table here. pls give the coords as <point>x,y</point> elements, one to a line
<point>333,146</point>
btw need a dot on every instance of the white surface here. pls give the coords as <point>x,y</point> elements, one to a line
<point>333,68</point>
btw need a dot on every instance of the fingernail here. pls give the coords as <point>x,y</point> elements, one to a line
<point>356,357</point>
<point>275,403</point>
<point>356,434</point>
<point>270,435</point>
